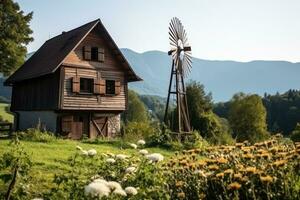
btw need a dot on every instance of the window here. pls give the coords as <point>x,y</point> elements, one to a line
<point>110,87</point>
<point>86,85</point>
<point>94,53</point>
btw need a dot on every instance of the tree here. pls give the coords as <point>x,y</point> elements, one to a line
<point>210,126</point>
<point>137,111</point>
<point>247,117</point>
<point>295,136</point>
<point>15,35</point>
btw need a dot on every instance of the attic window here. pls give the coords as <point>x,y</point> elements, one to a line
<point>93,53</point>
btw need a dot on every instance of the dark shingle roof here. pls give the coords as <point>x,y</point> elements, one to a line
<point>52,53</point>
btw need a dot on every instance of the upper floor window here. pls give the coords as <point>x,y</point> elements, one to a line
<point>110,87</point>
<point>86,85</point>
<point>93,53</point>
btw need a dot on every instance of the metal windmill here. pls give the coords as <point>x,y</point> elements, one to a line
<point>181,66</point>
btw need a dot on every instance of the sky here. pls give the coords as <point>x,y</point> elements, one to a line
<point>240,30</point>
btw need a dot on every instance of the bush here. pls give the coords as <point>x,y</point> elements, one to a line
<point>36,135</point>
<point>295,136</point>
<point>134,131</point>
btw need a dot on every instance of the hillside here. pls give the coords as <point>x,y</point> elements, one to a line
<point>222,78</point>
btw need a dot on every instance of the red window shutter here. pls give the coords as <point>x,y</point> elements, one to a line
<point>117,87</point>
<point>97,86</point>
<point>75,84</point>
<point>87,52</point>
<point>102,86</point>
<point>101,54</point>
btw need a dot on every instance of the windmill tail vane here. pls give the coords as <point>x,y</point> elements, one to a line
<point>181,66</point>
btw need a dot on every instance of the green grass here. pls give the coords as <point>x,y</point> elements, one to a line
<point>4,112</point>
<point>50,158</point>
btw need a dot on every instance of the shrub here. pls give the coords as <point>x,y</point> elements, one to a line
<point>36,135</point>
<point>295,136</point>
<point>134,131</point>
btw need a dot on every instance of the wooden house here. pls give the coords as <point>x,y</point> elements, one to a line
<point>74,85</point>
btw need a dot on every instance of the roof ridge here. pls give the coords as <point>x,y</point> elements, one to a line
<point>64,32</point>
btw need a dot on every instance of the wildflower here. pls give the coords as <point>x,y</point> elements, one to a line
<point>213,167</point>
<point>222,161</point>
<point>200,172</point>
<point>220,175</point>
<point>181,195</point>
<point>155,157</point>
<point>113,185</point>
<point>120,192</point>
<point>133,145</point>
<point>110,160</point>
<point>238,176</point>
<point>84,152</point>
<point>279,163</point>
<point>143,152</point>
<point>228,171</point>
<point>111,154</point>
<point>266,179</point>
<point>96,189</point>
<point>130,169</point>
<point>234,186</point>
<point>38,199</point>
<point>79,148</point>
<point>239,144</point>
<point>92,152</point>
<point>100,180</point>
<point>121,156</point>
<point>141,142</point>
<point>179,183</point>
<point>131,190</point>
<point>250,169</point>
<point>248,156</point>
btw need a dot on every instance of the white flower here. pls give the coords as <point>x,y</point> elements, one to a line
<point>100,180</point>
<point>143,152</point>
<point>110,160</point>
<point>92,152</point>
<point>113,185</point>
<point>155,157</point>
<point>130,169</point>
<point>120,192</point>
<point>84,152</point>
<point>38,199</point>
<point>121,156</point>
<point>79,148</point>
<point>131,190</point>
<point>141,142</point>
<point>133,145</point>
<point>95,189</point>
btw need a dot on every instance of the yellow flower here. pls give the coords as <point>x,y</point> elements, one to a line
<point>239,144</point>
<point>181,195</point>
<point>220,175</point>
<point>234,186</point>
<point>222,161</point>
<point>179,183</point>
<point>250,169</point>
<point>266,179</point>
<point>238,176</point>
<point>248,156</point>
<point>279,163</point>
<point>228,171</point>
<point>213,167</point>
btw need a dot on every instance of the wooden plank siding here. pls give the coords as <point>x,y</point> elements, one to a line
<point>40,93</point>
<point>74,65</point>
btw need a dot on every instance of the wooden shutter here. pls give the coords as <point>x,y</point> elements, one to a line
<point>101,54</point>
<point>75,84</point>
<point>102,86</point>
<point>86,52</point>
<point>117,87</point>
<point>66,124</point>
<point>97,86</point>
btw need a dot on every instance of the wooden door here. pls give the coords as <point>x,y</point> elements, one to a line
<point>98,126</point>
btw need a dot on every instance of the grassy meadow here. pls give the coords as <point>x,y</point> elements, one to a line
<point>52,157</point>
<point>4,112</point>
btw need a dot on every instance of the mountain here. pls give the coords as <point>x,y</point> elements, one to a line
<point>222,78</point>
